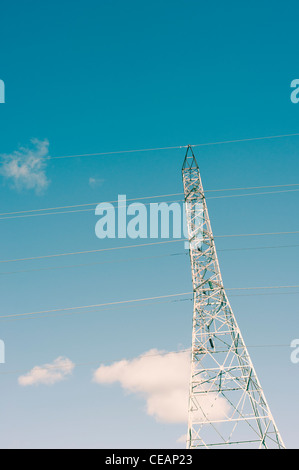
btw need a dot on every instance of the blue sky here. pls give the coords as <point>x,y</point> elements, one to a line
<point>99,76</point>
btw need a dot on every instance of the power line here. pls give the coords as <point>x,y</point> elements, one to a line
<point>58,367</point>
<point>23,214</point>
<point>69,309</point>
<point>95,263</point>
<point>255,234</point>
<point>115,307</point>
<point>143,356</point>
<point>272,293</point>
<point>91,251</point>
<point>98,154</point>
<point>262,287</point>
<point>130,306</point>
<point>245,140</point>
<point>59,313</point>
<point>50,268</point>
<point>139,245</point>
<point>258,248</point>
<point>122,302</point>
<point>117,152</point>
<point>95,203</point>
<point>145,204</point>
<point>254,194</point>
<point>250,187</point>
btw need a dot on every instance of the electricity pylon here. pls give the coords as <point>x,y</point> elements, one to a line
<point>227,406</point>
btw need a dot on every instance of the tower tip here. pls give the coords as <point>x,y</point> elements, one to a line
<point>190,160</point>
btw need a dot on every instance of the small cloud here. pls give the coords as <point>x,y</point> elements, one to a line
<point>26,168</point>
<point>95,182</point>
<point>48,374</point>
<point>182,439</point>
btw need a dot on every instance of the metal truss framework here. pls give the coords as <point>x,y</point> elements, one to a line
<point>227,406</point>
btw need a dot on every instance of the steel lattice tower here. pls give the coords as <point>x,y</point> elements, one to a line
<point>227,406</point>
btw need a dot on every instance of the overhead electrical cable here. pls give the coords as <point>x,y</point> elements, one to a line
<point>37,212</point>
<point>119,260</point>
<point>119,302</point>
<point>143,356</point>
<point>139,245</point>
<point>206,144</point>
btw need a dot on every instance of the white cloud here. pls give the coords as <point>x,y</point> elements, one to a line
<point>48,374</point>
<point>95,182</point>
<point>26,168</point>
<point>182,439</point>
<point>163,380</point>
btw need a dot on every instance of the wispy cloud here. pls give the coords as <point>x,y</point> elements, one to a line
<point>162,379</point>
<point>95,182</point>
<point>25,168</point>
<point>48,374</point>
<point>182,439</point>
